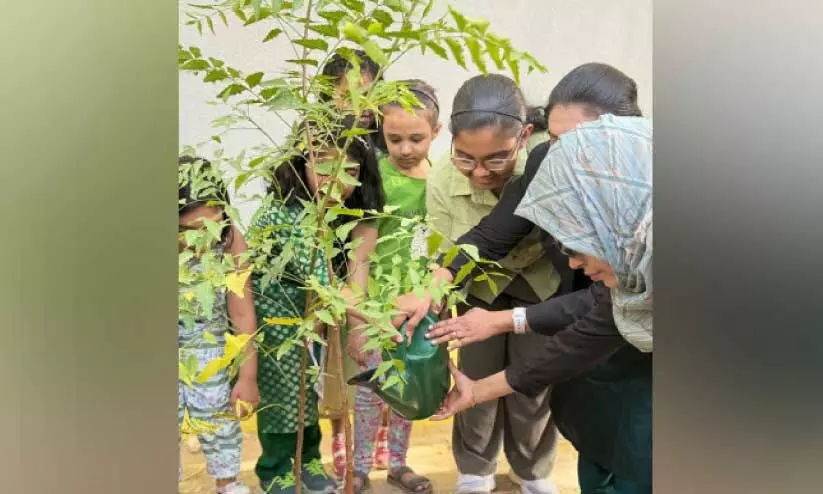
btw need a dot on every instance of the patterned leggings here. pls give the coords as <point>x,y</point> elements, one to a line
<point>205,400</point>
<point>368,416</point>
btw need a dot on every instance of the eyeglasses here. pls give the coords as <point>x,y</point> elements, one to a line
<point>492,165</point>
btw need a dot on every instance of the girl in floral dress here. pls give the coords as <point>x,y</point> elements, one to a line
<point>278,227</point>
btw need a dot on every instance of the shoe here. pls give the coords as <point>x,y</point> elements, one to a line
<point>472,484</point>
<point>236,487</point>
<point>273,487</point>
<point>317,482</point>
<point>381,451</point>
<point>538,486</point>
<point>338,449</point>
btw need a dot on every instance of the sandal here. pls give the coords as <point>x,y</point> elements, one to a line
<point>417,485</point>
<point>364,482</point>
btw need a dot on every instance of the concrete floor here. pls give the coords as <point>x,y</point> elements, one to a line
<point>430,454</point>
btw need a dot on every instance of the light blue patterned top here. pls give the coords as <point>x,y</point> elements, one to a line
<point>593,193</point>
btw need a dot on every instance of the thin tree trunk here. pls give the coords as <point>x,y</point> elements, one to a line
<point>301,420</point>
<point>349,478</point>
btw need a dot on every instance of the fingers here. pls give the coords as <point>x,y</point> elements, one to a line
<point>414,319</point>
<point>443,328</point>
<point>442,414</point>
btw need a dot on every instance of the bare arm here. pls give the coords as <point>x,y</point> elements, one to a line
<point>244,321</point>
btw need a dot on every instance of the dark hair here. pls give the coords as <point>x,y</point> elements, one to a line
<point>600,88</point>
<point>425,93</point>
<point>427,96</point>
<point>212,190</point>
<point>338,65</point>
<point>538,117</point>
<point>491,100</point>
<point>290,181</point>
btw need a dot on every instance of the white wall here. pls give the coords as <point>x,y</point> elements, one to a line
<point>560,33</point>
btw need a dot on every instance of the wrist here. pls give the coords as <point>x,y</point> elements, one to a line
<point>502,321</point>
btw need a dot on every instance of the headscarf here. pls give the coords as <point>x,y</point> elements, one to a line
<point>593,194</point>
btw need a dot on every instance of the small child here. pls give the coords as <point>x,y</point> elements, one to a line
<point>206,401</point>
<point>403,168</point>
<point>279,221</point>
<point>335,70</point>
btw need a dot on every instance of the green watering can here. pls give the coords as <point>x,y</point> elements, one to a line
<point>426,375</point>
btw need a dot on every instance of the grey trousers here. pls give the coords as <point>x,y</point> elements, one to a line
<point>522,425</point>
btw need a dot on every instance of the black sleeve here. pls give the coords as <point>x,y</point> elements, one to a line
<point>552,315</point>
<point>500,231</point>
<point>572,351</point>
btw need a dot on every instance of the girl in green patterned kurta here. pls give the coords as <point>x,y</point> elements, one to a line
<point>278,224</point>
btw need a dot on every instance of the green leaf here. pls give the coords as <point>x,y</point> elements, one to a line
<point>195,65</point>
<point>459,19</point>
<point>395,5</point>
<point>209,337</point>
<point>272,34</point>
<point>231,91</point>
<point>383,17</point>
<point>325,29</point>
<point>482,25</point>
<point>210,24</point>
<point>215,75</point>
<point>393,380</point>
<point>303,61</point>
<point>428,8</point>
<point>450,255</point>
<point>493,49</point>
<point>375,29</point>
<point>324,316</point>
<point>345,229</point>
<point>255,5</point>
<point>471,251</point>
<point>347,179</point>
<point>382,369</point>
<point>457,52</point>
<point>312,44</point>
<point>463,272</point>
<point>354,32</point>
<point>514,66</point>
<point>356,131</point>
<point>334,16</point>
<point>254,79</point>
<point>355,5</point>
<point>223,18</point>
<point>437,49</point>
<point>358,213</point>
<point>477,57</point>
<point>374,52</point>
<point>434,242</point>
<point>205,297</point>
<point>213,228</point>
<point>240,14</point>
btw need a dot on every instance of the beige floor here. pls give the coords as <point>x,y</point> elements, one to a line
<point>430,454</point>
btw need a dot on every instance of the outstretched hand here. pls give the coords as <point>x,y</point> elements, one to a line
<point>461,397</point>
<point>473,326</point>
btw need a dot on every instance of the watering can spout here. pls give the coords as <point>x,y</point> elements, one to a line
<point>425,376</point>
<point>364,379</point>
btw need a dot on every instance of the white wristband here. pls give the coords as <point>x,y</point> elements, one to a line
<point>519,319</point>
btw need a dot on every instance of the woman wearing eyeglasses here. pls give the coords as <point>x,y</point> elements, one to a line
<point>491,138</point>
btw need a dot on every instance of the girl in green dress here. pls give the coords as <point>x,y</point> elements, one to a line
<point>277,226</point>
